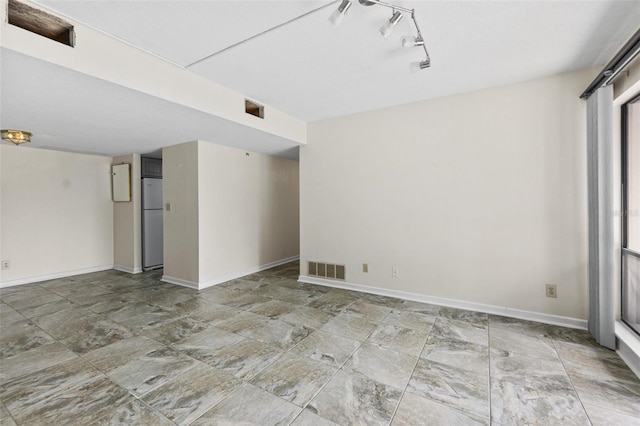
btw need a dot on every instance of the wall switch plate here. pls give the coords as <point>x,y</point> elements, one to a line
<point>395,272</point>
<point>6,264</point>
<point>365,267</point>
<point>167,207</point>
<point>551,290</point>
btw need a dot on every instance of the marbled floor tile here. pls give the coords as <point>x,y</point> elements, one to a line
<point>110,304</point>
<point>282,334</point>
<point>602,417</point>
<point>135,309</point>
<point>58,323</point>
<point>219,295</point>
<point>249,405</point>
<point>376,299</point>
<point>143,374</point>
<point>606,390</point>
<point>21,336</point>
<point>294,378</point>
<point>326,347</point>
<point>464,315</point>
<point>133,413</point>
<point>310,317</point>
<point>7,291</point>
<point>241,284</point>
<point>398,339</point>
<point>457,388</point>
<point>68,393</point>
<point>92,333</point>
<point>110,357</point>
<point>529,328</point>
<point>5,417</point>
<point>191,394</point>
<point>331,302</point>
<point>309,418</point>
<point>510,364</point>
<point>168,299</point>
<point>411,320</point>
<point>571,335</point>
<point>537,346</point>
<point>205,311</point>
<point>382,365</point>
<point>591,356</point>
<point>371,312</point>
<point>459,330</point>
<point>149,320</point>
<point>543,400</point>
<point>415,410</point>
<point>30,297</point>
<point>244,358</point>
<point>353,399</point>
<point>77,290</point>
<point>176,330</point>
<point>47,308</point>
<point>419,307</point>
<point>456,353</point>
<point>205,345</point>
<point>34,360</point>
<point>273,309</point>
<point>245,323</point>
<point>8,315</point>
<point>294,296</point>
<point>350,326</point>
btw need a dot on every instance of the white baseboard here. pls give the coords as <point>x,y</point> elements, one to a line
<point>628,346</point>
<point>127,269</point>
<point>453,303</point>
<point>57,275</point>
<point>180,281</point>
<point>224,279</point>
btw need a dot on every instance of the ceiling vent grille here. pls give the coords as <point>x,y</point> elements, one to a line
<point>326,270</point>
<point>253,108</point>
<point>41,23</point>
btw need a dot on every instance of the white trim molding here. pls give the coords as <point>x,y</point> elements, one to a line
<point>127,269</point>
<point>628,346</point>
<point>224,279</point>
<point>57,275</point>
<point>453,303</point>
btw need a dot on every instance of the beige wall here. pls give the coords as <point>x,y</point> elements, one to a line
<point>127,246</point>
<point>248,211</point>
<point>57,217</point>
<point>478,197</point>
<point>180,224</point>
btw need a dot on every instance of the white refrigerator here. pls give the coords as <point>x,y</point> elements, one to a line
<point>151,223</point>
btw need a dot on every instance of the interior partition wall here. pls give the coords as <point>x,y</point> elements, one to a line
<point>631,214</point>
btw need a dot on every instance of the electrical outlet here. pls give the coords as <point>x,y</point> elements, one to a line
<point>552,290</point>
<point>6,264</point>
<point>395,272</point>
<point>365,267</point>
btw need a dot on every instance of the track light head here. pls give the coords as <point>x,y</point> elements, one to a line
<point>388,26</point>
<point>411,41</point>
<point>417,66</point>
<point>337,16</point>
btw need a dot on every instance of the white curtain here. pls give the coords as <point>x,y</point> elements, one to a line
<point>601,239</point>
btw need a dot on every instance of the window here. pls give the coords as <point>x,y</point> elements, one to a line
<point>631,213</point>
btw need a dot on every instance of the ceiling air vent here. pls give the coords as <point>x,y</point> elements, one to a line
<point>41,23</point>
<point>253,108</point>
<point>326,270</point>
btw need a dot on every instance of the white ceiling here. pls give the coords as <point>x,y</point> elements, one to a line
<point>313,71</point>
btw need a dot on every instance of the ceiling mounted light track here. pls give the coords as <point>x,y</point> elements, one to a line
<point>386,29</point>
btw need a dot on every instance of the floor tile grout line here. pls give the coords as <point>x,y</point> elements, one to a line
<point>571,381</point>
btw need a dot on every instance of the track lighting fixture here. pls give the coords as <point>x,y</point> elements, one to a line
<point>386,29</point>
<point>337,16</point>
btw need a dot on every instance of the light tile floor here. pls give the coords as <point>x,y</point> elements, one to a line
<point>112,348</point>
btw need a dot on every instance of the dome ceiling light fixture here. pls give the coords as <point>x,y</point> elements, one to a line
<point>16,136</point>
<point>386,29</point>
